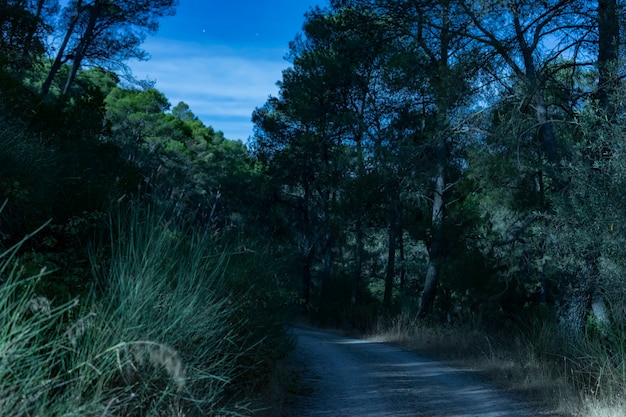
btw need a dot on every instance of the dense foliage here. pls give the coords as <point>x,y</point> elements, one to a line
<point>473,143</point>
<point>453,161</point>
<point>141,295</point>
<point>457,161</point>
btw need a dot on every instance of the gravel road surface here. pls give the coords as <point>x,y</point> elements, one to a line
<point>352,377</point>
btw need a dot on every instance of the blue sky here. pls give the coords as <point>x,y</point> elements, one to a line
<point>223,57</point>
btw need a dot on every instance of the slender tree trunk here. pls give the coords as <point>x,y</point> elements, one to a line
<point>59,60</point>
<point>608,52</point>
<point>535,88</point>
<point>391,262</point>
<point>306,278</point>
<point>329,198</point>
<point>432,273</point>
<point>358,259</point>
<point>327,261</point>
<point>72,73</point>
<point>442,85</point>
<point>402,259</point>
<point>308,248</point>
<point>358,272</point>
<point>86,39</point>
<point>546,132</point>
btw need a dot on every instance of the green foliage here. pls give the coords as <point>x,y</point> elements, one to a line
<point>170,320</point>
<point>382,100</point>
<point>103,34</point>
<point>176,324</point>
<point>22,40</point>
<point>179,158</point>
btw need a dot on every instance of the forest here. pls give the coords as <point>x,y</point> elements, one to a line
<point>441,164</point>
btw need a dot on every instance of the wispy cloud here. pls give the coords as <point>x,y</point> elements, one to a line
<point>221,85</point>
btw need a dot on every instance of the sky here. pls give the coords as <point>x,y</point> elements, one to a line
<point>223,57</point>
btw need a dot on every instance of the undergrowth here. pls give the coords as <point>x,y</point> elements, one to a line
<point>173,327</point>
<point>583,378</point>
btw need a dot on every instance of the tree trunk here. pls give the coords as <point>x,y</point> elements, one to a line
<point>573,311</point>
<point>86,39</point>
<point>546,132</point>
<point>432,273</point>
<point>327,261</point>
<point>608,52</point>
<point>442,85</point>
<point>391,262</point>
<point>402,260</point>
<point>359,222</point>
<point>573,314</point>
<point>59,60</point>
<point>578,299</point>
<point>358,259</point>
<point>306,278</point>
<point>307,244</point>
<point>78,57</point>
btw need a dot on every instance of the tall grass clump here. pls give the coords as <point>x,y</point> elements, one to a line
<point>177,325</point>
<point>596,365</point>
<point>30,347</point>
<point>167,331</point>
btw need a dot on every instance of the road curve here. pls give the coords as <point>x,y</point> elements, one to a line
<point>358,378</point>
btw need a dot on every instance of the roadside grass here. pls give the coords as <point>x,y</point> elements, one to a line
<point>167,331</point>
<point>529,361</point>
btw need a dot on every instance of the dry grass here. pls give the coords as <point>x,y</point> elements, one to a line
<point>527,365</point>
<point>588,407</point>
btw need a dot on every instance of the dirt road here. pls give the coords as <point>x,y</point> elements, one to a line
<point>353,377</point>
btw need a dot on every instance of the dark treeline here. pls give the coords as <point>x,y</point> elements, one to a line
<point>460,159</point>
<point>459,163</point>
<point>455,161</point>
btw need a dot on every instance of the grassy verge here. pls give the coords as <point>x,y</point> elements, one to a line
<point>176,326</point>
<point>529,361</point>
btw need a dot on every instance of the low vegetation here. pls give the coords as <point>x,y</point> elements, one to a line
<point>173,326</point>
<point>527,359</point>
